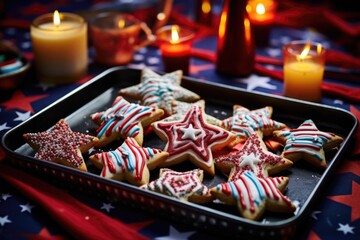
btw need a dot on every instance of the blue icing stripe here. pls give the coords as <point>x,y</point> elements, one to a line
<point>119,161</point>
<point>258,186</point>
<point>234,190</point>
<point>150,152</point>
<point>105,127</point>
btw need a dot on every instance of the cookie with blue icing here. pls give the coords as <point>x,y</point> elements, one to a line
<point>245,122</point>
<point>307,143</point>
<point>159,90</point>
<point>124,119</point>
<point>253,195</point>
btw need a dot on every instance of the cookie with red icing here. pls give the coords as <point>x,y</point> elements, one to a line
<point>192,138</point>
<point>252,156</point>
<point>61,145</point>
<point>124,119</point>
<point>186,186</point>
<point>245,122</point>
<point>159,91</point>
<point>253,195</point>
<point>307,143</point>
<point>129,162</point>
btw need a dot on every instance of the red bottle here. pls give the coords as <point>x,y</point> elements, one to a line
<point>235,47</point>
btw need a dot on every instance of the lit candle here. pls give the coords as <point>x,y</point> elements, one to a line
<point>175,47</point>
<point>203,13</point>
<point>262,16</point>
<point>304,65</point>
<point>59,43</point>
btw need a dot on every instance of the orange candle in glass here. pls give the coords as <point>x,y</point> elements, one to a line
<point>304,65</point>
<point>175,47</point>
<point>262,16</point>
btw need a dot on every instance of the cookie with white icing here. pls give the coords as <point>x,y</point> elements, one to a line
<point>124,119</point>
<point>245,122</point>
<point>307,143</point>
<point>186,186</point>
<point>159,91</point>
<point>253,195</point>
<point>129,162</point>
<point>252,156</point>
<point>192,138</point>
<point>61,145</point>
<point>179,109</point>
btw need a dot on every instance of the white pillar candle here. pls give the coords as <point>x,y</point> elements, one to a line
<point>59,44</point>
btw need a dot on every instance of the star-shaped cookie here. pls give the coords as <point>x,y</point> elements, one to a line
<point>245,122</point>
<point>129,162</point>
<point>308,143</point>
<point>159,91</point>
<point>180,109</point>
<point>124,119</point>
<point>61,145</point>
<point>192,138</point>
<point>186,186</point>
<point>252,156</point>
<point>254,195</point>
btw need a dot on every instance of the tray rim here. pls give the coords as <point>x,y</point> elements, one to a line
<point>278,224</point>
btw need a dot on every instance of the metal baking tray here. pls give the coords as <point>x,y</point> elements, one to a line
<point>305,185</point>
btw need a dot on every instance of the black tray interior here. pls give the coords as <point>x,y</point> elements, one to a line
<point>99,93</point>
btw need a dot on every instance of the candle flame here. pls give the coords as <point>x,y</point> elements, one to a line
<point>121,23</point>
<point>305,51</point>
<point>247,30</point>
<point>319,48</point>
<point>56,18</point>
<point>206,6</point>
<point>260,9</point>
<point>174,34</point>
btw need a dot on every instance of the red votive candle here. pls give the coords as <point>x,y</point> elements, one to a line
<point>175,46</point>
<point>262,16</point>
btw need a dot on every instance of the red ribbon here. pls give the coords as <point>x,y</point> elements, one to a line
<point>78,219</point>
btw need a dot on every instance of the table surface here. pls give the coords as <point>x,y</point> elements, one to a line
<point>336,216</point>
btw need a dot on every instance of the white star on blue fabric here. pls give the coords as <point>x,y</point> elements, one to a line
<point>26,208</point>
<point>345,228</point>
<point>175,234</point>
<point>273,52</point>
<point>254,81</point>
<point>22,116</point>
<point>4,220</point>
<point>314,214</point>
<point>107,207</point>
<point>4,127</point>
<point>5,196</point>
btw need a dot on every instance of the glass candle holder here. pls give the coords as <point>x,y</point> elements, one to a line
<point>304,64</point>
<point>175,46</point>
<point>115,37</point>
<point>59,43</point>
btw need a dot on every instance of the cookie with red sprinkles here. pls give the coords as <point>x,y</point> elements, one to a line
<point>252,156</point>
<point>61,145</point>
